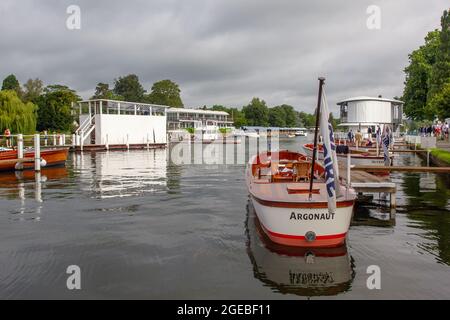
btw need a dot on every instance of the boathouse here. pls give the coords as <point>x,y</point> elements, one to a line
<point>360,113</point>
<point>112,122</point>
<point>182,118</point>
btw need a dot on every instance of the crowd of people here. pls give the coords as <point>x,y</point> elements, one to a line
<point>439,130</point>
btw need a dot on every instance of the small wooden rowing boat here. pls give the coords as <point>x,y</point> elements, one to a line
<point>49,157</point>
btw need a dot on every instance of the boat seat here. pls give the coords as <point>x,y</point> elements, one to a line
<point>280,178</point>
<point>303,170</point>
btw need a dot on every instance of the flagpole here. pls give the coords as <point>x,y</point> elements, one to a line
<point>319,102</point>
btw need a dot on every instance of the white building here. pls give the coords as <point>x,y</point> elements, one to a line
<point>182,118</point>
<point>360,113</point>
<point>107,122</point>
<point>205,123</point>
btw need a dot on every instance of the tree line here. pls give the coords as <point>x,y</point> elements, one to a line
<point>427,85</point>
<point>257,113</point>
<point>34,106</point>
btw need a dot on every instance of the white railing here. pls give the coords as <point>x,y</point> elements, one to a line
<point>424,142</point>
<point>49,140</point>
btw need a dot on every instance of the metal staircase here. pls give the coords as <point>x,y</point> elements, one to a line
<point>87,129</point>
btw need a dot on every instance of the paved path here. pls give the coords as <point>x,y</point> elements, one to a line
<point>443,144</point>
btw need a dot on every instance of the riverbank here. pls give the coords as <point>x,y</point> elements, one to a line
<point>439,156</point>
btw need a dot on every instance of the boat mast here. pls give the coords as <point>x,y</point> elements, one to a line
<point>319,102</point>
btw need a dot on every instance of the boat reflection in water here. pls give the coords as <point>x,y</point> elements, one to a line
<point>122,174</point>
<point>295,270</point>
<point>14,184</point>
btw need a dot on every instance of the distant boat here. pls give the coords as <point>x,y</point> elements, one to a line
<point>246,133</point>
<point>291,135</point>
<point>301,133</point>
<point>358,157</point>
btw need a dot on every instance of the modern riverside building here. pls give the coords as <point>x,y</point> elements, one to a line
<point>360,113</point>
<point>182,118</point>
<point>109,122</point>
<point>204,123</point>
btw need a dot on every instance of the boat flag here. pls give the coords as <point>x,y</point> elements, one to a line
<point>386,141</point>
<point>330,158</point>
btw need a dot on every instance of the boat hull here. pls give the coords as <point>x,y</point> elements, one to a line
<point>288,223</point>
<point>49,158</point>
<point>288,214</point>
<point>301,271</point>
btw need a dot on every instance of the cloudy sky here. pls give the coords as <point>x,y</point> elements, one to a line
<point>219,51</point>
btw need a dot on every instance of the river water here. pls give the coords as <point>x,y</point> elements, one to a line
<point>140,226</point>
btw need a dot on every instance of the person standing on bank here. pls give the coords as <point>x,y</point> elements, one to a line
<point>358,138</point>
<point>7,135</point>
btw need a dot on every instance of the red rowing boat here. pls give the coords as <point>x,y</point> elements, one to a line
<point>49,158</point>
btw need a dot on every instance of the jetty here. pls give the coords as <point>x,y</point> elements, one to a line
<point>369,168</point>
<point>365,182</point>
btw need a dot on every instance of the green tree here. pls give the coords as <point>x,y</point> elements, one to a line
<point>439,78</point>
<point>33,89</point>
<point>334,122</point>
<point>415,93</point>
<point>102,91</point>
<point>306,120</point>
<point>277,117</point>
<point>54,112</point>
<point>129,88</point>
<point>291,115</point>
<point>283,116</point>
<point>16,115</point>
<point>439,104</point>
<point>440,72</point>
<point>11,83</point>
<point>165,92</point>
<point>256,113</point>
<point>238,117</point>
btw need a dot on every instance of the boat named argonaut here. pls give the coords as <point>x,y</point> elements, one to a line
<point>311,216</point>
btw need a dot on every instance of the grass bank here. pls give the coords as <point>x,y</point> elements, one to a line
<point>441,155</point>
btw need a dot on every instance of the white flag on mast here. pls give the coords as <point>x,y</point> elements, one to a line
<point>330,158</point>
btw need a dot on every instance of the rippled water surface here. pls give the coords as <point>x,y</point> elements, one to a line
<point>140,226</point>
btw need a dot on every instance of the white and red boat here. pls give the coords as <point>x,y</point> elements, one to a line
<point>298,201</point>
<point>283,205</point>
<point>358,157</point>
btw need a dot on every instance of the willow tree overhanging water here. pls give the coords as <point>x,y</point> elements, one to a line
<point>16,115</point>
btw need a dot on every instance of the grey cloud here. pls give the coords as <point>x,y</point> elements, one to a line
<point>223,52</point>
